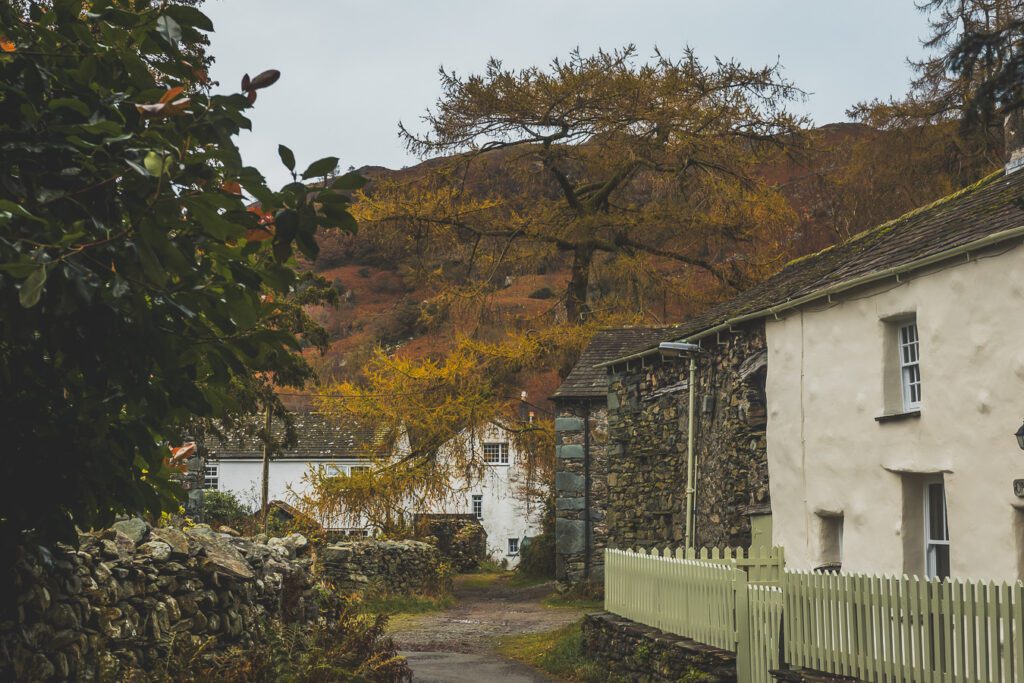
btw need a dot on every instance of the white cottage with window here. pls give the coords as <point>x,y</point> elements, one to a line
<point>498,497</point>
<point>895,384</point>
<point>495,497</point>
<point>236,464</point>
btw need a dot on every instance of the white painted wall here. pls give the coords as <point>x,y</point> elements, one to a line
<point>242,477</point>
<point>506,515</point>
<point>828,455</point>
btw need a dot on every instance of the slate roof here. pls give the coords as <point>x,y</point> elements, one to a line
<point>587,381</point>
<point>318,437</point>
<point>992,205</point>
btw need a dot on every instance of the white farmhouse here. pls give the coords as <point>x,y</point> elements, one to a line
<point>236,465</point>
<point>496,497</point>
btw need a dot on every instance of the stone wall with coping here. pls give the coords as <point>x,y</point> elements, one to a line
<point>578,528</point>
<point>642,654</point>
<point>110,605</point>
<point>647,449</point>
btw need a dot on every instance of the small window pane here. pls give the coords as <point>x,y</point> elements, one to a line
<point>496,453</point>
<point>937,513</point>
<point>513,546</point>
<point>211,477</point>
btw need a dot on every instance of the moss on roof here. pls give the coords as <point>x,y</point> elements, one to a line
<point>989,206</point>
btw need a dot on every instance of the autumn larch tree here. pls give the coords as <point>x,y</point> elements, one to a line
<point>636,159</point>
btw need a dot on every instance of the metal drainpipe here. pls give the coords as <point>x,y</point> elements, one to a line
<point>586,491</point>
<point>691,480</point>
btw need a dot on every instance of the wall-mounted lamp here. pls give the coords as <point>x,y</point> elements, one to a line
<point>1020,437</point>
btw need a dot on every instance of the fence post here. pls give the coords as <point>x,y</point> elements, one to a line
<point>742,607</point>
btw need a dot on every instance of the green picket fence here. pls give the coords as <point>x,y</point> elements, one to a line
<point>905,629</point>
<point>765,625</point>
<point>878,629</point>
<point>709,596</point>
<point>691,598</point>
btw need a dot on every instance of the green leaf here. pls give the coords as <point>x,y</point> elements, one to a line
<point>19,269</point>
<point>32,288</point>
<point>349,181</point>
<point>339,217</point>
<point>154,164</point>
<point>138,168</point>
<point>69,103</point>
<point>11,209</point>
<point>320,167</point>
<point>168,28</point>
<point>287,157</point>
<point>190,16</point>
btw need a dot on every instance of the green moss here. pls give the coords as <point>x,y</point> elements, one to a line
<point>889,225</point>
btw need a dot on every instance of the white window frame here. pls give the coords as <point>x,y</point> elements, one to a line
<point>496,452</point>
<point>335,470</point>
<point>931,544</point>
<point>513,547</point>
<point>909,344</point>
<point>358,468</point>
<point>477,505</point>
<point>211,476</point>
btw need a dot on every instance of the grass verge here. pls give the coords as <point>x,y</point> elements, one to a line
<point>559,653</point>
<point>407,604</point>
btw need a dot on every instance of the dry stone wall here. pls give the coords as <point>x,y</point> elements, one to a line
<point>642,654</point>
<point>647,449</point>
<point>385,566</point>
<point>461,539</point>
<point>110,605</point>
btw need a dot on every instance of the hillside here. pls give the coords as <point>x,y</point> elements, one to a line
<point>849,177</point>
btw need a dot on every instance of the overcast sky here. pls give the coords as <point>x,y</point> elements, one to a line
<point>352,70</point>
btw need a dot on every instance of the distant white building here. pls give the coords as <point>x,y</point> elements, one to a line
<point>496,498</point>
<point>499,498</point>
<point>236,465</point>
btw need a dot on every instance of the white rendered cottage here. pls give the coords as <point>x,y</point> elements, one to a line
<point>495,497</point>
<point>895,383</point>
<point>236,465</point>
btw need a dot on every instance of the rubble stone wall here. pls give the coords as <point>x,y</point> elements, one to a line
<point>461,539</point>
<point>634,652</point>
<point>397,567</point>
<point>91,613</point>
<point>647,448</point>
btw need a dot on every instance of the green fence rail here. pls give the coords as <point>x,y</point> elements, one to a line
<point>878,629</point>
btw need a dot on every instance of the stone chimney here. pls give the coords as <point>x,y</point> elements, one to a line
<point>1013,134</point>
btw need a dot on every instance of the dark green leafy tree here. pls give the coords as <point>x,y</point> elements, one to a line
<point>147,277</point>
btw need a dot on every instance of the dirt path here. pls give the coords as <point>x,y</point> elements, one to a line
<point>456,644</point>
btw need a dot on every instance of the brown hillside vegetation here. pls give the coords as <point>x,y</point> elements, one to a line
<point>847,178</point>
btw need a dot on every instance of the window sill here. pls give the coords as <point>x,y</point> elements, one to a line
<point>898,417</point>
